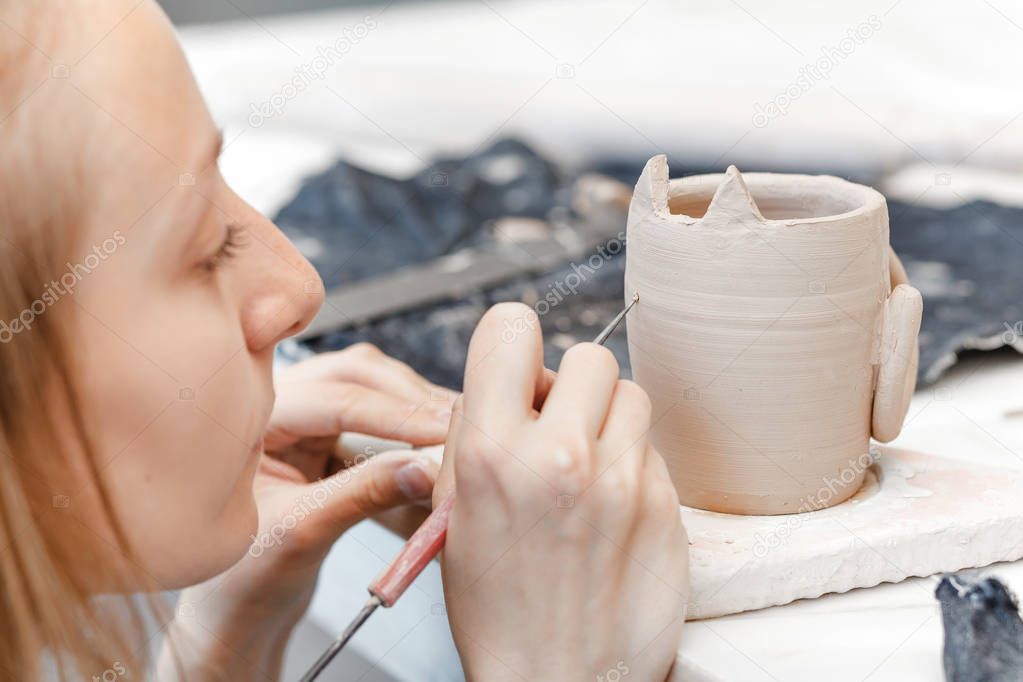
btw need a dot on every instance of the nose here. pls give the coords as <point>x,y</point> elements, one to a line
<point>283,290</point>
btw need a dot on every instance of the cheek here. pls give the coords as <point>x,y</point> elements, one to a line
<point>175,403</point>
<point>179,459</point>
<point>183,490</point>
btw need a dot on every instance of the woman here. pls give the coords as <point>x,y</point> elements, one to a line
<point>142,448</point>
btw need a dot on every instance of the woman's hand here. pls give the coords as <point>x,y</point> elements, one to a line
<point>307,496</point>
<point>566,558</point>
<point>357,389</point>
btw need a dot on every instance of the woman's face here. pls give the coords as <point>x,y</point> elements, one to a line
<point>180,291</point>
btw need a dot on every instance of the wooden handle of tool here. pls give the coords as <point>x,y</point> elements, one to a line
<point>420,549</point>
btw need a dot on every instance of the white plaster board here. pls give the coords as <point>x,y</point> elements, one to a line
<point>929,515</point>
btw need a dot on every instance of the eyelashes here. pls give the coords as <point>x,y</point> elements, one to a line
<point>233,241</point>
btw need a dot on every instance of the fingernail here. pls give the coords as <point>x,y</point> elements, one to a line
<point>413,481</point>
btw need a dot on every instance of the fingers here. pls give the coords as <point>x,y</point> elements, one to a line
<point>582,391</point>
<point>383,482</point>
<point>446,478</point>
<point>503,369</point>
<point>628,419</point>
<point>661,522</point>
<point>620,466</point>
<point>543,388</point>
<point>623,440</point>
<point>368,366</point>
<point>315,409</point>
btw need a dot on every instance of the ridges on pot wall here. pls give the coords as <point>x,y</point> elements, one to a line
<point>775,333</point>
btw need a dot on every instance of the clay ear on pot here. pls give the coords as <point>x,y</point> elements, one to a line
<point>899,355</point>
<point>651,194</point>
<point>732,202</point>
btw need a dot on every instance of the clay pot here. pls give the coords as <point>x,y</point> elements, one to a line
<point>775,334</point>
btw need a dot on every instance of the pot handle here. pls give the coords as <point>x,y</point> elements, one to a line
<point>899,354</point>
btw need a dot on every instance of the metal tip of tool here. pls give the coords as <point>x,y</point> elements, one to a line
<point>324,660</point>
<point>609,329</point>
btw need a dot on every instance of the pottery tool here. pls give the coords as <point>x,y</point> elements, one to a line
<point>420,550</point>
<point>613,324</point>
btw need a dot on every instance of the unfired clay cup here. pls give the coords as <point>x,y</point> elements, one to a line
<point>775,334</point>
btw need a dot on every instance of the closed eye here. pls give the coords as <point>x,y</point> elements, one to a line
<point>228,249</point>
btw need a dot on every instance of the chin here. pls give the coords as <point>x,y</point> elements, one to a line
<point>240,531</point>
<point>226,543</point>
<point>225,539</point>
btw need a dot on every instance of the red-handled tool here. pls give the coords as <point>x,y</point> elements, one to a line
<point>420,550</point>
<point>392,582</point>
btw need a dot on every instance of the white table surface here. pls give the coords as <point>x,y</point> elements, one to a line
<point>422,82</point>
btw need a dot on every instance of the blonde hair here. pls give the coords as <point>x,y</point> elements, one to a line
<point>50,558</point>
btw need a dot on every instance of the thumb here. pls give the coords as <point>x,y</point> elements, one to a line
<point>373,485</point>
